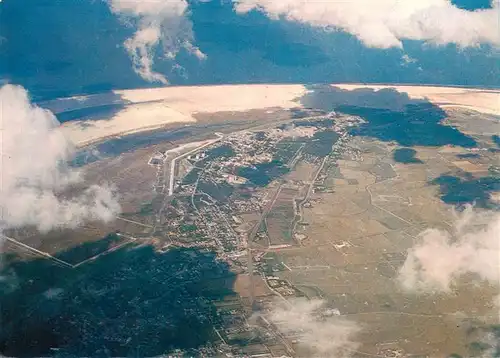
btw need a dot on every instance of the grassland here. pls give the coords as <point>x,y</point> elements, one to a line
<point>357,240</point>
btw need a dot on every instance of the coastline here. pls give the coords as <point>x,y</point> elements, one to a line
<point>146,109</point>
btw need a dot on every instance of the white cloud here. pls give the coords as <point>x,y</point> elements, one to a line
<point>385,23</point>
<point>440,258</point>
<point>159,22</point>
<point>35,177</point>
<point>319,330</point>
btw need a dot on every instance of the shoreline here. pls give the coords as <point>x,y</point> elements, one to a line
<point>494,88</point>
<point>149,108</point>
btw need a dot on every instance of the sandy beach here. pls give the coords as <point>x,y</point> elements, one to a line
<point>147,109</point>
<point>480,100</point>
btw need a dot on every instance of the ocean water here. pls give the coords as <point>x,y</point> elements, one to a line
<point>73,47</point>
<point>472,5</point>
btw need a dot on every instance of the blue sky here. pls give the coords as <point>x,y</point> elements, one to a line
<point>56,48</point>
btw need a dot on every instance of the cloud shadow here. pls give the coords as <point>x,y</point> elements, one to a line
<point>406,156</point>
<point>89,108</point>
<point>466,189</point>
<point>389,116</point>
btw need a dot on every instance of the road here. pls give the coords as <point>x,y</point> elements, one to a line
<point>299,207</point>
<point>264,214</point>
<point>64,263</point>
<point>93,258</point>
<point>174,160</point>
<point>250,238</point>
<point>37,252</point>
<point>133,222</point>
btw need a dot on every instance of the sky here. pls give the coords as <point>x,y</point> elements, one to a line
<point>52,52</point>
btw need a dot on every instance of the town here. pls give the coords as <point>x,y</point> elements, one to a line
<point>241,195</point>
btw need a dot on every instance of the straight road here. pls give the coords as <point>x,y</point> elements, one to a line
<point>37,252</point>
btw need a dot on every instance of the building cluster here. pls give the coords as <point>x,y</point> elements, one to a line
<point>255,203</point>
<point>197,156</point>
<point>217,226</point>
<point>283,287</point>
<point>198,219</point>
<point>216,221</point>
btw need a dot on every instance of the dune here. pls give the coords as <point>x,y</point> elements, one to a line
<point>147,109</point>
<point>480,100</point>
<point>211,99</point>
<point>191,99</point>
<point>132,119</point>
